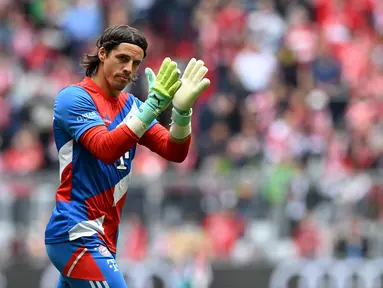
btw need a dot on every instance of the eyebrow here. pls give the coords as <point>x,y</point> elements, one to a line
<point>129,56</point>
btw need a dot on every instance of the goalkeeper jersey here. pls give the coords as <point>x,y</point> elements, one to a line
<point>91,194</point>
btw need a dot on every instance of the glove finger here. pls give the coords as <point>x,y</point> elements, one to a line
<point>196,68</point>
<point>164,66</point>
<point>200,74</point>
<point>173,89</point>
<point>189,68</point>
<point>173,78</point>
<point>150,76</point>
<point>170,68</point>
<point>202,86</point>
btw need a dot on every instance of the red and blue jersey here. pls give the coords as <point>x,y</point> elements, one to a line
<point>91,195</point>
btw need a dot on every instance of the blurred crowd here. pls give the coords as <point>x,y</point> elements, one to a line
<point>296,104</point>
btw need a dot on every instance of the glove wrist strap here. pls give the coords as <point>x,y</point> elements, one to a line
<point>180,132</point>
<point>137,126</point>
<point>181,118</point>
<point>146,114</point>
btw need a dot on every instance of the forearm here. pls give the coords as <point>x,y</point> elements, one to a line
<point>109,146</point>
<point>159,140</point>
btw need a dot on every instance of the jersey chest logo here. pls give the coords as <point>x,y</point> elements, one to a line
<point>106,119</point>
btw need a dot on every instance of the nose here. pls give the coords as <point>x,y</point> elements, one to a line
<point>128,67</point>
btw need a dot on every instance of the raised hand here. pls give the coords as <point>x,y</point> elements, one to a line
<point>193,85</point>
<point>162,89</point>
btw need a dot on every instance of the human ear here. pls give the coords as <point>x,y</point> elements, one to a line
<point>102,54</point>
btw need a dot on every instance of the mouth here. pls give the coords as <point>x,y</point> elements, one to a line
<point>124,78</point>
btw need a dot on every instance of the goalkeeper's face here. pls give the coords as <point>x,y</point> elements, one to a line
<point>121,64</point>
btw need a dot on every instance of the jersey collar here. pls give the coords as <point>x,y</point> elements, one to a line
<point>93,86</point>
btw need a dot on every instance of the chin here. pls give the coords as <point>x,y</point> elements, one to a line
<point>120,86</point>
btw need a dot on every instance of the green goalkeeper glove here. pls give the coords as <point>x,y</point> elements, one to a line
<point>162,89</point>
<point>193,84</point>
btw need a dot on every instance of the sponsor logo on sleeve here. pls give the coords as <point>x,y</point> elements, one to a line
<point>88,116</point>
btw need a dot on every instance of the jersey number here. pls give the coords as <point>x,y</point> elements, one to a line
<point>122,166</point>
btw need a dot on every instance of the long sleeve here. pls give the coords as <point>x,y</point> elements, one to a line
<point>159,140</point>
<point>108,146</point>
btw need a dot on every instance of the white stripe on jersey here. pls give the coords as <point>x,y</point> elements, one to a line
<point>105,284</point>
<point>98,284</point>
<point>65,156</point>
<point>121,188</point>
<point>91,284</point>
<point>75,261</point>
<point>87,228</point>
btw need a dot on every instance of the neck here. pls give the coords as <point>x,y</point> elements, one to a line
<point>99,79</point>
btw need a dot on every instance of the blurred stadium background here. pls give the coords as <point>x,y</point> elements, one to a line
<point>283,185</point>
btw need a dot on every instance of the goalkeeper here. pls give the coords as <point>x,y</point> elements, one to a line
<point>96,130</point>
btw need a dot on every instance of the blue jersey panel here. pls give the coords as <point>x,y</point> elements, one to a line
<point>75,111</point>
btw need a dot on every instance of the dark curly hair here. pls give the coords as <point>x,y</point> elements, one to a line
<point>112,37</point>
